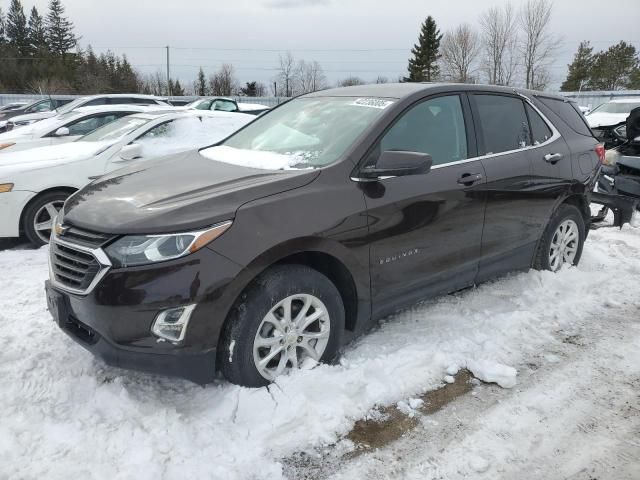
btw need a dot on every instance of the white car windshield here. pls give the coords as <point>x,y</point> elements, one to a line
<point>115,130</point>
<point>306,132</point>
<point>616,107</point>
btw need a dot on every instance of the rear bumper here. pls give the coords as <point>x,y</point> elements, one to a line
<point>11,206</point>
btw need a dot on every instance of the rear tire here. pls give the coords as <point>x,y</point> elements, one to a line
<point>562,240</point>
<point>290,314</point>
<point>38,217</point>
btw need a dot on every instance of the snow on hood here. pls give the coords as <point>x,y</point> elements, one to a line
<point>596,119</point>
<point>43,157</point>
<point>252,158</point>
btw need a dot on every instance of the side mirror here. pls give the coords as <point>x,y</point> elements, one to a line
<point>131,151</point>
<point>394,163</point>
<point>62,132</point>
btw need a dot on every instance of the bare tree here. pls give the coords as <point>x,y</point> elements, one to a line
<point>499,37</point>
<point>381,79</point>
<point>223,82</point>
<point>286,74</point>
<point>460,48</point>
<point>309,77</point>
<point>538,44</point>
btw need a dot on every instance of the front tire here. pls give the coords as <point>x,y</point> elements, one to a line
<point>562,241</point>
<point>289,315</point>
<point>38,217</point>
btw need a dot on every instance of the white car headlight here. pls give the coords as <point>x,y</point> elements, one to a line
<point>133,250</point>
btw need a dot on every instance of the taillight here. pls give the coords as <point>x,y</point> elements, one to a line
<point>601,152</point>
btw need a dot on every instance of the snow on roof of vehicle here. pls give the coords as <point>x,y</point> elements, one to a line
<point>625,100</point>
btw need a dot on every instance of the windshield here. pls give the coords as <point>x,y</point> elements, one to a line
<point>115,130</point>
<point>616,107</point>
<point>303,133</point>
<point>71,105</point>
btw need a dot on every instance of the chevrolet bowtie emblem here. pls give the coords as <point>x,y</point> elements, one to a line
<point>61,229</point>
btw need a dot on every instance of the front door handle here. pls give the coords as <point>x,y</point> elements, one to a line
<point>553,157</point>
<point>469,179</point>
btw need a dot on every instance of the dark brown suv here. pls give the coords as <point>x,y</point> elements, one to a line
<point>276,246</point>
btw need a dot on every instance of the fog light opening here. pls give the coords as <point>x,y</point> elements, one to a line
<point>171,324</point>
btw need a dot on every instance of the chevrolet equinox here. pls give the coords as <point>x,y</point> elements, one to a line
<point>274,247</point>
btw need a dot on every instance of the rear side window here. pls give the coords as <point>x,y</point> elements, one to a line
<point>434,126</point>
<point>95,101</point>
<point>503,123</point>
<point>540,131</point>
<point>568,113</point>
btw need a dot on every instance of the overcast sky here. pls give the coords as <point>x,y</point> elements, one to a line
<point>348,37</point>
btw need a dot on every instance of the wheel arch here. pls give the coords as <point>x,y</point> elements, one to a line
<point>322,255</point>
<point>69,190</point>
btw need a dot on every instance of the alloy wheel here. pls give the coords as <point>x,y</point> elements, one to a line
<point>43,219</point>
<point>564,245</point>
<point>296,329</point>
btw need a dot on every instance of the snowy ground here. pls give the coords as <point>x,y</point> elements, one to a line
<point>574,412</point>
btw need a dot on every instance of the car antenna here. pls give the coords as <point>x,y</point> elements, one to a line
<point>55,107</point>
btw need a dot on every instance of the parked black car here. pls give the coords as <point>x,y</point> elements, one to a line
<point>296,233</point>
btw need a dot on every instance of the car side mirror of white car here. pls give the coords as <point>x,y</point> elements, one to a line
<point>131,151</point>
<point>62,132</point>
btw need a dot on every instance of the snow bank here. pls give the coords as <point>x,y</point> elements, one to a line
<point>67,415</point>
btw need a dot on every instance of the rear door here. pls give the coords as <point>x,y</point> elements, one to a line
<point>425,230</point>
<point>504,138</point>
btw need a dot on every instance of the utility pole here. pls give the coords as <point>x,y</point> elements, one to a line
<point>168,74</point>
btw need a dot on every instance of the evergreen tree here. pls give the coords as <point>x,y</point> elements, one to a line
<point>3,38</point>
<point>614,68</point>
<point>37,32</point>
<point>423,67</point>
<point>250,90</point>
<point>177,89</point>
<point>580,69</point>
<point>201,83</point>
<point>16,28</point>
<point>60,36</point>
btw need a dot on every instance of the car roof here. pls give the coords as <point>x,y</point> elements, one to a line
<point>119,108</point>
<point>625,100</point>
<point>406,89</point>
<point>175,113</point>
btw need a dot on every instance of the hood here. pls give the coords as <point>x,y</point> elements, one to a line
<point>596,119</point>
<point>45,157</point>
<point>175,193</point>
<point>34,116</point>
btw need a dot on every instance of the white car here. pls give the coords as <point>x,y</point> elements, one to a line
<point>66,127</point>
<point>89,101</point>
<point>35,183</point>
<point>612,113</point>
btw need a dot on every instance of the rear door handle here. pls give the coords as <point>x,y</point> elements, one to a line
<point>469,179</point>
<point>553,157</point>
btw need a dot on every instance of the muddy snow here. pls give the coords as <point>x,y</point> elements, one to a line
<point>545,367</point>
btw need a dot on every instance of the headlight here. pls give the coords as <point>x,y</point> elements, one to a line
<point>6,145</point>
<point>22,123</point>
<point>135,250</point>
<point>621,131</point>
<point>6,187</point>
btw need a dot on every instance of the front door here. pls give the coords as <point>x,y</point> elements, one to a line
<point>425,230</point>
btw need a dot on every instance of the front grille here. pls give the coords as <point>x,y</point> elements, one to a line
<point>86,238</point>
<point>73,268</point>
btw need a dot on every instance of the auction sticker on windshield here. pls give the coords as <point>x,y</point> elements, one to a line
<point>372,102</point>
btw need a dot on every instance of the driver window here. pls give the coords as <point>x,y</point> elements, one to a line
<point>434,126</point>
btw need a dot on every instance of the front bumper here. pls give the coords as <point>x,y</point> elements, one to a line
<point>114,319</point>
<point>11,206</point>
